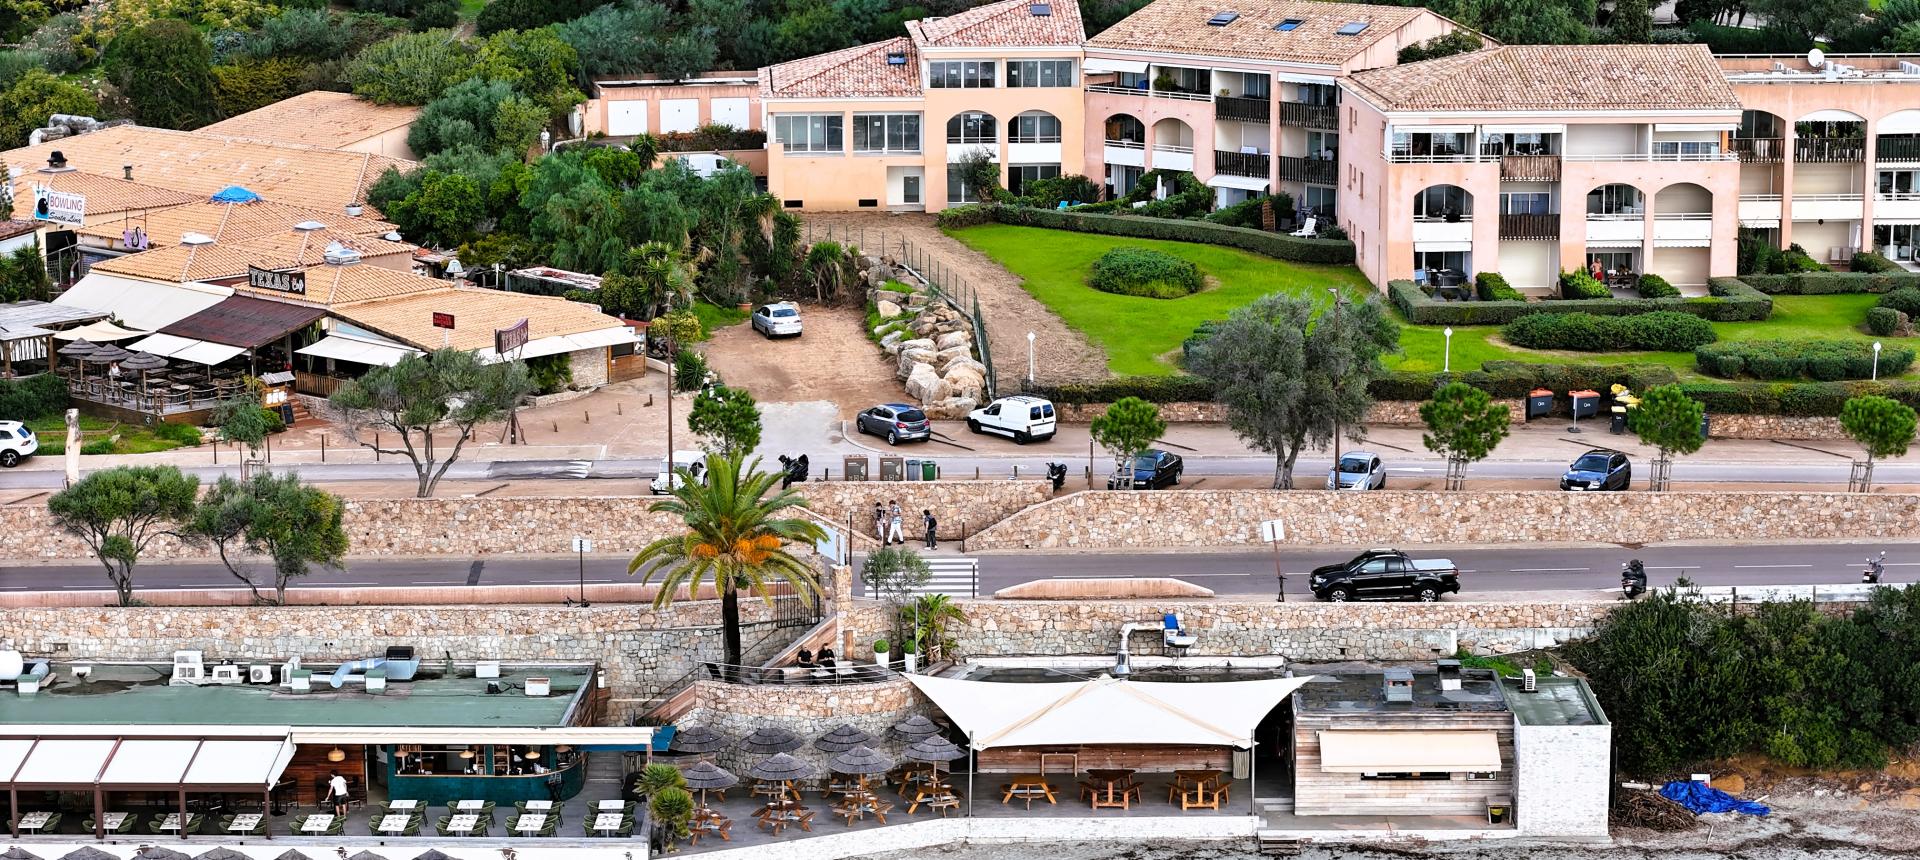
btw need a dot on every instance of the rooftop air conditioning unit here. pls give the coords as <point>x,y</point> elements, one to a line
<point>188,669</point>
<point>309,226</point>
<point>1529,683</point>
<point>539,687</point>
<point>260,673</point>
<point>486,669</point>
<point>225,673</point>
<point>1909,68</point>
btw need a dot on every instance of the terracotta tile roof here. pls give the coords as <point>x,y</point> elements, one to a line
<point>200,164</point>
<point>477,313</point>
<point>1006,24</point>
<point>857,72</point>
<point>1555,78</point>
<point>334,286</point>
<point>318,118</point>
<point>288,249</point>
<point>10,228</point>
<point>106,196</point>
<point>226,222</point>
<point>1180,26</point>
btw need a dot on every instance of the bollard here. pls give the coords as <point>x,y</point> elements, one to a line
<point>586,417</point>
<point>649,399</point>
<point>1016,471</point>
<point>556,425</point>
<point>269,443</point>
<point>323,447</point>
<point>376,446</point>
<point>619,408</point>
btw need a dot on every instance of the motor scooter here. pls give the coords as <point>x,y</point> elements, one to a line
<point>1633,580</point>
<point>1057,473</point>
<point>1875,567</point>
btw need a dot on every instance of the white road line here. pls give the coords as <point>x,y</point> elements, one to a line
<point>1765,566</point>
<point>1903,564</point>
<point>234,584</point>
<point>1547,569</point>
<point>342,583</point>
<point>439,582</point>
<point>574,581</point>
<point>1675,567</point>
<point>88,587</point>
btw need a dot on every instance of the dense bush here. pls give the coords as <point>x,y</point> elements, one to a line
<point>1905,300</point>
<point>249,83</point>
<point>1186,197</point>
<point>1493,287</point>
<point>1514,379</point>
<point>1824,360</point>
<point>1887,322</point>
<point>1868,262</point>
<point>33,397</point>
<point>1831,283</point>
<point>1153,389</point>
<point>1252,213</point>
<point>1144,272</point>
<point>1577,284</point>
<point>1731,301</point>
<point>1070,189</point>
<point>1655,287</point>
<point>707,138</point>
<point>1667,331</point>
<point>1276,245</point>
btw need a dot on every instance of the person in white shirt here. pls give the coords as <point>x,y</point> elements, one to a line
<point>337,792</point>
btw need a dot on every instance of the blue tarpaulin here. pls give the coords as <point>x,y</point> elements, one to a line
<point>1701,797</point>
<point>235,194</point>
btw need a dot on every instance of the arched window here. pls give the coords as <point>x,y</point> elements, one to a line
<point>972,128</point>
<point>1034,126</point>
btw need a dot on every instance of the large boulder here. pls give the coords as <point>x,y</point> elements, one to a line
<point>918,301</point>
<point>965,382</point>
<point>944,357</point>
<point>891,341</point>
<point>888,310</point>
<point>964,361</point>
<point>911,357</point>
<point>926,386</point>
<point>952,339</point>
<point>951,409</point>
<point>894,296</point>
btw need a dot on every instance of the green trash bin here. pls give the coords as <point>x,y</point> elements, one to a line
<point>929,470</point>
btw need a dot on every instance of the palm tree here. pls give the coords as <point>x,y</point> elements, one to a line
<point>735,537</point>
<point>663,273</point>
<point>931,614</point>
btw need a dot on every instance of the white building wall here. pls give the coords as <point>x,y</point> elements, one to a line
<point>1561,776</point>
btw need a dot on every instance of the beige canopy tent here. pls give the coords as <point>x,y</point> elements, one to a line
<point>102,331</point>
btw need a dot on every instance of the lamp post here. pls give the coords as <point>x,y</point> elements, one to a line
<point>582,546</point>
<point>1446,355</point>
<point>1030,339</point>
<point>1876,361</point>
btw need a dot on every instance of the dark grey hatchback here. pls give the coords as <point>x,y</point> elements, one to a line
<point>898,422</point>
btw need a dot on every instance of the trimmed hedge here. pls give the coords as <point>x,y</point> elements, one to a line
<point>1578,284</point>
<point>1824,360</point>
<point>1869,262</point>
<point>1153,389</point>
<point>1276,245</point>
<point>1832,283</point>
<point>1905,300</point>
<point>1799,399</point>
<point>1731,301</point>
<point>1493,287</point>
<point>1667,331</point>
<point>1144,272</point>
<point>1887,322</point>
<point>1513,379</point>
<point>1655,287</point>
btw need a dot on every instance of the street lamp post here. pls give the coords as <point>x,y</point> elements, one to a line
<point>582,546</point>
<point>1446,356</point>
<point>1030,338</point>
<point>1876,361</point>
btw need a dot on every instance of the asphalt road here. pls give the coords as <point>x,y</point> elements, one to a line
<point>1484,571</point>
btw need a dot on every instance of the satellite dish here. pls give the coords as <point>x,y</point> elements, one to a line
<point>1816,58</point>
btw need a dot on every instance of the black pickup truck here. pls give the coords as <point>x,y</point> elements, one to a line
<point>1379,574</point>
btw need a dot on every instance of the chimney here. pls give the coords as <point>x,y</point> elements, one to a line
<point>1397,685</point>
<point>126,172</point>
<point>1449,674</point>
<point>56,162</point>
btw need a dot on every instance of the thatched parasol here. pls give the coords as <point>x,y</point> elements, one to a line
<point>81,351</point>
<point>222,853</point>
<point>844,737</point>
<point>435,854</point>
<point>934,749</point>
<point>767,740</point>
<point>18,853</point>
<point>155,852</point>
<point>88,853</point>
<point>697,740</point>
<point>914,728</point>
<point>781,767</point>
<point>707,776</point>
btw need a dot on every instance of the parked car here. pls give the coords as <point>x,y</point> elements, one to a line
<point>1382,574</point>
<point>670,479</point>
<point>899,422</point>
<point>779,319</point>
<point>1153,469</point>
<point>17,443</point>
<point>1598,469</point>
<point>1358,470</point>
<point>1023,418</point>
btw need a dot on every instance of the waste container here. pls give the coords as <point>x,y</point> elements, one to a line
<point>853,468</point>
<point>1619,423</point>
<point>1539,403</point>
<point>1586,404</point>
<point>890,469</point>
<point>913,470</point>
<point>929,470</point>
<point>1706,424</point>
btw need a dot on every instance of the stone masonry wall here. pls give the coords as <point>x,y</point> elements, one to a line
<point>589,367</point>
<point>1101,519</point>
<point>806,710</point>
<point>1386,412</point>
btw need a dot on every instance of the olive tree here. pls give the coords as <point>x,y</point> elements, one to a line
<point>1463,425</point>
<point>1668,421</point>
<point>728,418</point>
<point>295,526</point>
<point>1127,428</point>
<point>406,404</point>
<point>1882,425</point>
<point>119,512</point>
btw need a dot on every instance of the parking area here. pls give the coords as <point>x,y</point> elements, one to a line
<point>833,361</point>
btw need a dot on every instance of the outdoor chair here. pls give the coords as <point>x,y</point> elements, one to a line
<point>53,824</point>
<point>127,823</point>
<point>259,827</point>
<point>440,826</point>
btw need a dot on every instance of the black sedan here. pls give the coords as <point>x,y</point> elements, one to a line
<point>898,422</point>
<point>1598,469</point>
<point>1153,469</point>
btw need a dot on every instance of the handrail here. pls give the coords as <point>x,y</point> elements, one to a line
<point>1457,158</point>
<point>1127,144</point>
<point>1034,138</point>
<point>1827,198</point>
<point>1656,156</point>
<point>1169,147</point>
<point>1462,218</point>
<point>1683,216</point>
<point>1616,216</point>
<point>1759,198</point>
<point>1110,89</point>
<point>1897,196</point>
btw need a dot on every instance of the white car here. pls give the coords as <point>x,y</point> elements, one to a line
<point>693,462</point>
<point>1023,418</point>
<point>17,443</point>
<point>780,319</point>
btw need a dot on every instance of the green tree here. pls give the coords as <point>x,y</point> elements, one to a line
<point>933,616</point>
<point>313,34</point>
<point>243,421</point>
<point>1524,22</point>
<point>292,524</point>
<point>814,28</point>
<point>980,174</point>
<point>672,810</point>
<point>729,420</point>
<point>478,111</point>
<point>35,96</point>
<point>738,530</point>
<point>250,84</point>
<point>1668,421</point>
<point>411,69</point>
<point>1882,425</point>
<point>894,573</point>
<point>23,274</point>
<point>1463,425</point>
<point>1128,427</point>
<point>165,68</point>
<point>408,403</point>
<point>536,63</point>
<point>1632,21</point>
<point>1456,42</point>
<point>118,512</point>
<point>502,15</point>
<point>826,269</point>
<point>1807,21</point>
<point>618,38</point>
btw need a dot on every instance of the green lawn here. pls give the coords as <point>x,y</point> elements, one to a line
<point>714,317</point>
<point>1142,335</point>
<point>132,438</point>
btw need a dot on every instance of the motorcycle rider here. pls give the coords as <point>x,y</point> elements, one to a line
<point>1875,567</point>
<point>1633,579</point>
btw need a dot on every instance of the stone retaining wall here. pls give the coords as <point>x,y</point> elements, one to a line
<point>1205,518</point>
<point>809,711</point>
<point>1729,426</point>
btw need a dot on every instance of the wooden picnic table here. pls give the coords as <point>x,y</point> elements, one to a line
<point>709,821</point>
<point>933,796</point>
<point>1028,786</point>
<point>777,815</point>
<point>1113,789</point>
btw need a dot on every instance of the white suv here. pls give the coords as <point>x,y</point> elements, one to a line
<point>17,443</point>
<point>1022,417</point>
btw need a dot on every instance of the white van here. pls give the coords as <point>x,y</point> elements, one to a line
<point>1022,417</point>
<point>669,479</point>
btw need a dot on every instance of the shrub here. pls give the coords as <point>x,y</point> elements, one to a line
<point>1252,213</point>
<point>1493,287</point>
<point>1832,283</point>
<point>178,433</point>
<point>1730,301</point>
<point>435,15</point>
<point>1511,379</point>
<point>249,83</point>
<point>1276,245</point>
<point>1070,189</point>
<point>1577,284</point>
<point>1824,360</point>
<point>1905,300</point>
<point>1661,330</point>
<point>32,398</point>
<point>1797,260</point>
<point>1153,389</point>
<point>1144,272</point>
<point>1887,322</point>
<point>97,446</point>
<point>1870,262</point>
<point>689,370</point>
<point>1656,287</point>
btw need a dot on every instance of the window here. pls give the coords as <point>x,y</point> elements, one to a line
<point>957,190</point>
<point>1442,202</point>
<point>1323,145</point>
<point>1352,28</point>
<point>886,132</point>
<point>1222,19</point>
<point>1526,203</point>
<point>972,128</point>
<point>1041,10</point>
<point>1614,200</point>
<point>1518,143</point>
<point>896,58</point>
<point>960,74</point>
<point>1318,200</point>
<point>1685,150</point>
<point>809,132</point>
<point>1895,241</point>
<point>1316,94</point>
<point>1289,25</point>
<point>1898,183</point>
<point>1256,85</point>
<point>1040,73</point>
<point>1034,127</point>
<point>1613,261</point>
<point>1019,175</point>
<point>1182,80</point>
<point>1130,80</point>
<point>1440,260</point>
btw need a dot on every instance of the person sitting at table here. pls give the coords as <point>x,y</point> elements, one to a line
<point>805,659</point>
<point>826,656</point>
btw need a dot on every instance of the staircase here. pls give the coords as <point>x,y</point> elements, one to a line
<point>605,775</point>
<point>1268,839</point>
<point>301,417</point>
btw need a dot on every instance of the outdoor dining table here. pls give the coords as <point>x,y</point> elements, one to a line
<point>709,821</point>
<point>394,824</point>
<point>470,805</point>
<point>778,814</point>
<point>608,822</point>
<point>404,804</point>
<point>171,823</point>
<point>1117,791</point>
<point>463,824</point>
<point>612,806</point>
<point>244,823</point>
<point>1028,787</point>
<point>35,820</point>
<point>539,806</point>
<point>113,820</point>
<point>317,823</point>
<point>530,822</point>
<point>932,794</point>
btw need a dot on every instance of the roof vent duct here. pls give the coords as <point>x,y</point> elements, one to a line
<point>337,254</point>
<point>1397,684</point>
<point>309,226</point>
<point>57,161</point>
<point>195,239</point>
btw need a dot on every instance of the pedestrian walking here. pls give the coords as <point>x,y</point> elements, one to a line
<point>337,792</point>
<point>933,525</point>
<point>894,534</point>
<point>880,523</point>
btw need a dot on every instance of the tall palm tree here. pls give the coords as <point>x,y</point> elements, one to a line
<point>736,537</point>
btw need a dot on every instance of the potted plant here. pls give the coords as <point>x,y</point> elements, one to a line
<point>909,652</point>
<point>672,810</point>
<point>880,653</point>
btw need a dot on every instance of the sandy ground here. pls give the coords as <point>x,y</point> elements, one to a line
<point>1063,354</point>
<point>832,361</point>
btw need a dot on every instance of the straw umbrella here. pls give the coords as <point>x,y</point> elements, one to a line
<point>435,854</point>
<point>143,362</point>
<point>698,740</point>
<point>221,853</point>
<point>707,776</point>
<point>767,740</point>
<point>88,853</point>
<point>18,853</point>
<point>862,762</point>
<point>784,769</point>
<point>288,854</point>
<point>913,729</point>
<point>155,852</point>
<point>109,355</point>
<point>842,738</point>
<point>932,751</point>
<point>81,351</point>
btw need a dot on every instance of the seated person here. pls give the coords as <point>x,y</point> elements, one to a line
<point>827,657</point>
<point>804,659</point>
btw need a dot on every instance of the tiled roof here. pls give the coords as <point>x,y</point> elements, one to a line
<point>200,164</point>
<point>1555,78</point>
<point>227,222</point>
<point>288,249</point>
<point>477,313</point>
<point>341,285</point>
<point>106,196</point>
<point>1180,26</point>
<point>1006,24</point>
<point>317,118</point>
<point>10,228</point>
<point>858,72</point>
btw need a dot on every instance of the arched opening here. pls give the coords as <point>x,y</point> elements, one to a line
<point>1172,135</point>
<point>1830,136</point>
<point>973,127</point>
<point>1126,153</point>
<point>1448,203</point>
<point>1761,137</point>
<point>1443,237</point>
<point>1034,126</point>
<point>1683,199</point>
<point>1682,235</point>
<point>1126,131</point>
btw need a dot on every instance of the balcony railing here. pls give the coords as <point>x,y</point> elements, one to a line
<point>1241,164</point>
<point>1406,157</point>
<point>1242,109</point>
<point>1318,171</point>
<point>1530,226</point>
<point>1110,89</point>
<point>1125,144</point>
<point>1758,150</point>
<point>1530,168</point>
<point>1814,149</point>
<point>1897,149</point>
<point>1654,156</point>
<point>1113,90</point>
<point>1308,116</point>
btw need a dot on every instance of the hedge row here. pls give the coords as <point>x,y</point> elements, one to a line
<point>1665,331</point>
<point>1825,360</point>
<point>1515,379</point>
<point>1831,283</point>
<point>1153,389</point>
<point>1731,301</point>
<point>1275,245</point>
<point>1798,399</point>
<point>29,398</point>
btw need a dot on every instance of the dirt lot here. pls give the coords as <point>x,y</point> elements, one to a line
<point>833,361</point>
<point>1062,354</point>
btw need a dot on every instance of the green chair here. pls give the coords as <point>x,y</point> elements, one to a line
<point>127,824</point>
<point>440,826</point>
<point>413,826</point>
<point>552,825</point>
<point>53,824</point>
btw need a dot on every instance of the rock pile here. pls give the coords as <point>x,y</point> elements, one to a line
<point>931,344</point>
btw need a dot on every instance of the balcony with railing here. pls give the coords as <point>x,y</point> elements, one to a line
<point>1318,171</point>
<point>1170,156</point>
<point>1682,229</point>
<point>1309,115</point>
<point>1130,153</point>
<point>1250,164</point>
<point>1529,226</point>
<point>1760,208</point>
<point>1829,207</point>
<point>1530,168</point>
<point>1899,205</point>
<point>1758,150</point>
<point>1242,108</point>
<point>1829,149</point>
<point>1896,149</point>
<point>1450,228</point>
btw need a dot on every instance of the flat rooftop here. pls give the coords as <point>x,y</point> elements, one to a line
<point>1364,692</point>
<point>1555,702</point>
<point>117,694</point>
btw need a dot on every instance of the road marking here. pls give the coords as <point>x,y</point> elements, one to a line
<point>235,584</point>
<point>88,587</point>
<point>1675,567</point>
<point>1765,566</point>
<point>553,581</point>
<point>1903,564</point>
<point>1097,576</point>
<point>1547,569</point>
<point>439,582</point>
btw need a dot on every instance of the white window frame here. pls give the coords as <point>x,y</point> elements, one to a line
<point>828,127</point>
<point>1015,135</point>
<point>962,74</point>
<point>1040,73</point>
<point>890,123</point>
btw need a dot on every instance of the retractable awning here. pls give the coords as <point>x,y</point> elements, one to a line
<point>170,763</point>
<point>1104,64</point>
<point>98,332</point>
<point>141,304</point>
<point>1107,711</point>
<point>186,349</point>
<point>1244,183</point>
<point>1387,751</point>
<point>384,353</point>
<point>566,343</point>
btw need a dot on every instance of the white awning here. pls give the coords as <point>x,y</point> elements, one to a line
<point>1899,122</point>
<point>1681,243</point>
<point>1244,183</point>
<point>101,331</point>
<point>1444,246</point>
<point>1107,711</point>
<point>384,353</point>
<point>141,304</point>
<point>1103,64</point>
<point>558,344</point>
<point>1832,115</point>
<point>64,762</point>
<point>1696,126</point>
<point>1432,129</point>
<point>186,349</point>
<point>1389,751</point>
<point>161,344</point>
<point>1613,243</point>
<point>475,735</point>
<point>247,762</point>
<point>1293,78</point>
<point>149,762</point>
<point>13,751</point>
<point>165,757</point>
<point>1534,128</point>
